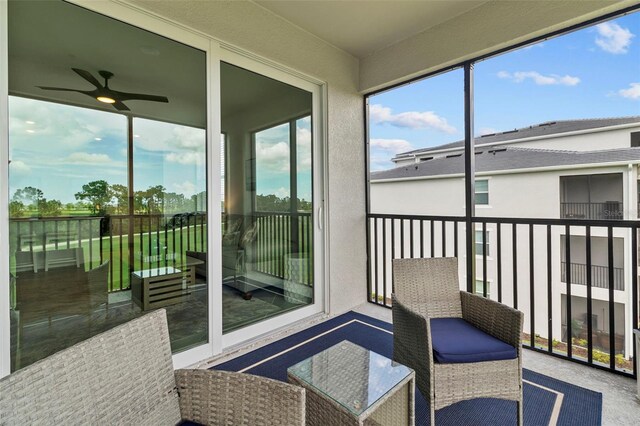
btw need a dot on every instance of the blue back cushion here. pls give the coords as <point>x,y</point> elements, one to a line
<point>456,341</point>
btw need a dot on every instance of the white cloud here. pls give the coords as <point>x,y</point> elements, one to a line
<point>377,163</point>
<point>187,188</point>
<point>158,136</point>
<point>392,145</point>
<point>304,149</point>
<point>613,38</point>
<point>410,119</point>
<point>274,157</point>
<point>19,167</point>
<point>282,192</point>
<point>188,157</point>
<point>87,158</point>
<point>34,125</point>
<point>633,92</point>
<point>540,79</point>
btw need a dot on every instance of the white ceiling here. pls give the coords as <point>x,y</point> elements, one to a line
<point>363,27</point>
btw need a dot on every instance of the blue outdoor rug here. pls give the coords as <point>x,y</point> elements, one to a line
<point>547,401</point>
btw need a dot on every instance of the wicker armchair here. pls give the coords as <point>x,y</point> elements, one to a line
<point>429,288</point>
<point>126,376</point>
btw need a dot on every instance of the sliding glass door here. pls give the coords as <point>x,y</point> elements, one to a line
<point>267,227</point>
<point>135,185</point>
<point>107,180</point>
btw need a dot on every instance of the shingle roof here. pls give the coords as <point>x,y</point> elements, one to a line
<point>492,159</point>
<point>537,130</point>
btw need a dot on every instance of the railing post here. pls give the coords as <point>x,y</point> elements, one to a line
<point>469,175</point>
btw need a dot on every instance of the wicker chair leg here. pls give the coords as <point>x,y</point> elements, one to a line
<point>432,415</point>
<point>520,414</point>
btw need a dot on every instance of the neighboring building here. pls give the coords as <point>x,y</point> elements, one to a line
<point>585,169</point>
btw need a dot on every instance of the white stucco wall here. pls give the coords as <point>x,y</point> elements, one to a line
<point>254,29</point>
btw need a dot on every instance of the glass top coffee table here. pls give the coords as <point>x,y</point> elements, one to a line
<point>350,385</point>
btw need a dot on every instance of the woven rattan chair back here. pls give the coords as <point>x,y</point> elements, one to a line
<point>128,367</point>
<point>430,285</point>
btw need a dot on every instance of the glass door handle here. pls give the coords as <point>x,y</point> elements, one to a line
<point>320,217</point>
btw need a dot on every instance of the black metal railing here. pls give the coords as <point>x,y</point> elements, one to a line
<point>157,240</point>
<point>609,210</point>
<point>599,275</point>
<point>280,234</point>
<point>517,264</point>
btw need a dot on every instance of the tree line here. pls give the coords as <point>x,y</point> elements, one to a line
<point>100,198</point>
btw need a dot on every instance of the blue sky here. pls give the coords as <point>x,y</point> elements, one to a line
<point>58,148</point>
<point>590,73</point>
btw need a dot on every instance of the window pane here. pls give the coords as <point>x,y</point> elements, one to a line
<point>482,198</point>
<point>482,185</point>
<point>273,187</point>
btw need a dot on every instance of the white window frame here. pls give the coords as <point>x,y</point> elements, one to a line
<point>481,192</point>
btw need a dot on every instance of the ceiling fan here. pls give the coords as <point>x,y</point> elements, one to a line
<point>105,94</point>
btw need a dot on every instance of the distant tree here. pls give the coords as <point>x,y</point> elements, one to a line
<point>174,203</point>
<point>28,196</point>
<point>272,203</point>
<point>97,193</point>
<point>304,205</point>
<point>121,195</point>
<point>49,208</point>
<point>16,208</point>
<point>151,200</point>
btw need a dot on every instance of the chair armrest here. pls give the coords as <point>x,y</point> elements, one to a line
<point>494,318</point>
<point>412,342</point>
<point>213,397</point>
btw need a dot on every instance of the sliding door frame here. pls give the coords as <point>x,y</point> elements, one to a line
<point>5,320</point>
<point>262,66</point>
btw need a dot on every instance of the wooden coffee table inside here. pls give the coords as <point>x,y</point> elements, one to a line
<point>350,385</point>
<point>157,287</point>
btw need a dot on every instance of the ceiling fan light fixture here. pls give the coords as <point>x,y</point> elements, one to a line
<point>106,99</point>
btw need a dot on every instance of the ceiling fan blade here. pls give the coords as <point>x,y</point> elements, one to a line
<point>64,89</point>
<point>89,77</point>
<point>120,106</point>
<point>141,97</point>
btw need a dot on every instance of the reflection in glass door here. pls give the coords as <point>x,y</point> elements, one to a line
<point>107,215</point>
<point>267,226</point>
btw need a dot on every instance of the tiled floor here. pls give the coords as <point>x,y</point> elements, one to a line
<point>47,329</point>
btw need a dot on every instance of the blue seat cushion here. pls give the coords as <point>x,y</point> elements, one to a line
<point>456,341</point>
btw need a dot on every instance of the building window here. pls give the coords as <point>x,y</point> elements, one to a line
<point>480,244</point>
<point>479,288</point>
<point>635,139</point>
<point>482,192</point>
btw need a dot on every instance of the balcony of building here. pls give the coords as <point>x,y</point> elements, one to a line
<point>286,99</point>
<point>592,197</point>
